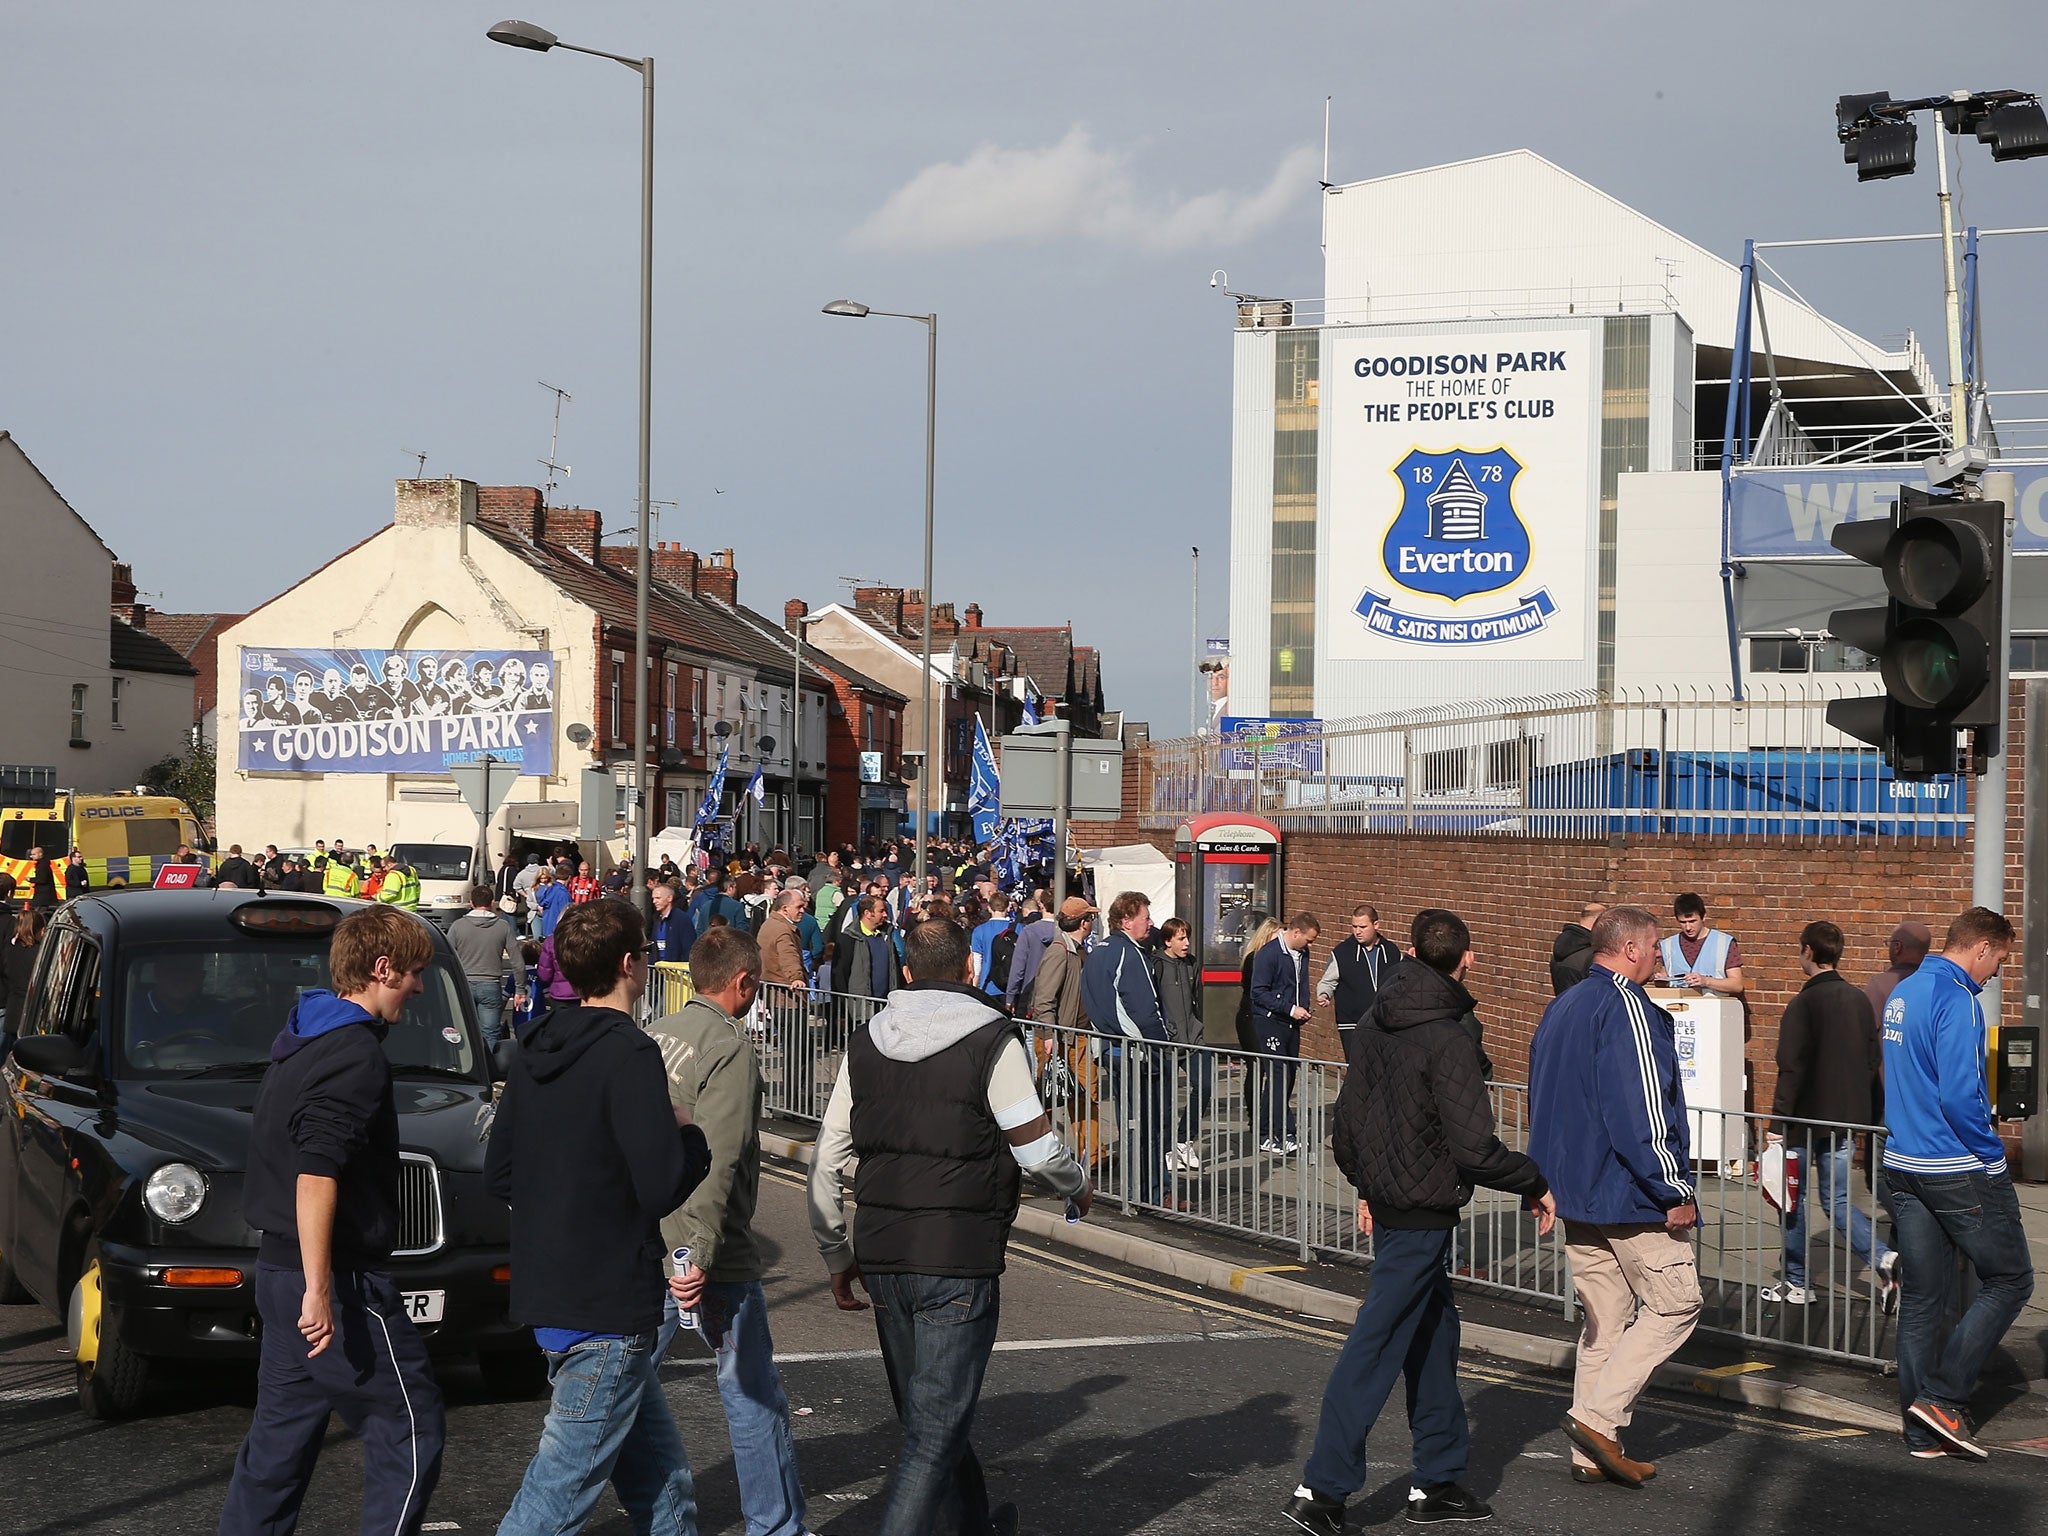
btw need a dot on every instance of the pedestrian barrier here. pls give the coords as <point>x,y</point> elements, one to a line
<point>1243,1143</point>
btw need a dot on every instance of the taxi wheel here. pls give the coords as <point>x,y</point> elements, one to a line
<point>514,1373</point>
<point>112,1378</point>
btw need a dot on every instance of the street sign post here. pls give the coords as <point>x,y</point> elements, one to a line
<point>1048,771</point>
<point>484,784</point>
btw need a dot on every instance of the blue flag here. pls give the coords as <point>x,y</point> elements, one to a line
<point>984,789</point>
<point>756,790</point>
<point>713,794</point>
<point>1030,710</point>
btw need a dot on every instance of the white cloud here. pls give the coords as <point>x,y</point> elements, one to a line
<point>1071,190</point>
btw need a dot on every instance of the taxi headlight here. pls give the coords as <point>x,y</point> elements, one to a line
<point>175,1192</point>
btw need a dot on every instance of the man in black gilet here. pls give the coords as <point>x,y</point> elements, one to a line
<point>936,1099</point>
<point>1358,968</point>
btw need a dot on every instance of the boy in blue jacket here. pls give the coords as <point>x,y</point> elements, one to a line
<point>1607,1124</point>
<point>1947,1186</point>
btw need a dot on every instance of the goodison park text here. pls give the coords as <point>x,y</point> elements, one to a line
<point>1416,365</point>
<point>1443,562</point>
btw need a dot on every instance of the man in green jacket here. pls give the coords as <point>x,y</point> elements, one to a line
<point>713,1075</point>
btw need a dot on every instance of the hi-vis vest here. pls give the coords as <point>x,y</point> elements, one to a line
<point>339,879</point>
<point>401,889</point>
<point>1713,960</point>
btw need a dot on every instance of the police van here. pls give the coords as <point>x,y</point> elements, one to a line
<point>124,835</point>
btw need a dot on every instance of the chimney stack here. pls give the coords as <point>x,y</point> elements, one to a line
<point>674,565</point>
<point>793,611</point>
<point>514,508</point>
<point>974,615</point>
<point>719,577</point>
<point>445,503</point>
<point>882,604</point>
<point>576,529</point>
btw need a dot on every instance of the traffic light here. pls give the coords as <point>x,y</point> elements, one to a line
<point>1937,636</point>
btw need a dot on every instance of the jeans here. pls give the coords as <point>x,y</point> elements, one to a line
<point>936,1333</point>
<point>1408,1326</point>
<point>1143,1076</point>
<point>1826,1175</point>
<point>1937,1217</point>
<point>489,997</point>
<point>374,1373</point>
<point>1279,1060</point>
<point>733,1319</point>
<point>1201,1067</point>
<point>607,1422</point>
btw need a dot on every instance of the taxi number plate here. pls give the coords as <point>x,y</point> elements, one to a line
<point>425,1306</point>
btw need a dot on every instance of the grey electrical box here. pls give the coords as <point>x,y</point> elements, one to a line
<point>1030,775</point>
<point>598,810</point>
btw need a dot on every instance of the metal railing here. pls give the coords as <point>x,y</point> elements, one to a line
<point>1672,763</point>
<point>1244,1144</point>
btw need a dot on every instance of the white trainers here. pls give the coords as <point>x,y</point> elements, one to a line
<point>1888,1284</point>
<point>1270,1144</point>
<point>1185,1158</point>
<point>1288,1147</point>
<point>1175,1162</point>
<point>1789,1295</point>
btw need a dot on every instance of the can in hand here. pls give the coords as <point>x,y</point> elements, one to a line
<point>680,1261</point>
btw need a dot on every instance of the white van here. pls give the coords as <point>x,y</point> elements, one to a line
<point>444,871</point>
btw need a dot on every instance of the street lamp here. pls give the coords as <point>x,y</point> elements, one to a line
<point>853,311</point>
<point>524,34</point>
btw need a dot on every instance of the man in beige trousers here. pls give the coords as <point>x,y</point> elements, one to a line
<point>1608,1127</point>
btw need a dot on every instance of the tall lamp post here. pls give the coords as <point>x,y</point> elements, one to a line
<point>524,34</point>
<point>854,311</point>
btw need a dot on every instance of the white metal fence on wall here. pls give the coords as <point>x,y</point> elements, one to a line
<point>1676,763</point>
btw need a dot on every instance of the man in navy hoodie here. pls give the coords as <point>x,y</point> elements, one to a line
<point>1947,1185</point>
<point>322,1189</point>
<point>591,1156</point>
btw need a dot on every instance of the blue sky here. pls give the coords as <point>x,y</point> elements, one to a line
<point>254,253</point>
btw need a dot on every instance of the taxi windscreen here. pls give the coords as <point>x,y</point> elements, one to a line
<point>181,1010</point>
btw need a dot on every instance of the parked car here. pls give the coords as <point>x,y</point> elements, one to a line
<point>128,1102</point>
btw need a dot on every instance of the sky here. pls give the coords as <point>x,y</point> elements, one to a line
<point>254,257</point>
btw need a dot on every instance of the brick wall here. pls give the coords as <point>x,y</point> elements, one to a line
<point>1516,893</point>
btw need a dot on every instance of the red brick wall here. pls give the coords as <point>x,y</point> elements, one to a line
<point>1516,892</point>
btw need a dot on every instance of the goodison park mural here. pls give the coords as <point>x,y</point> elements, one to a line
<point>363,711</point>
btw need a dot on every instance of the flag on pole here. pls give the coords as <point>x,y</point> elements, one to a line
<point>716,792</point>
<point>1030,710</point>
<point>984,788</point>
<point>756,790</point>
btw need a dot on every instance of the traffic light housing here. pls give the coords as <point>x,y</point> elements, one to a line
<point>1937,636</point>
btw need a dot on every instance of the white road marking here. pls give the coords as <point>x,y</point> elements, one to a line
<point>1014,1346</point>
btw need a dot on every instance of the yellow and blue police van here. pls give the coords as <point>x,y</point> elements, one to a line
<point>123,835</point>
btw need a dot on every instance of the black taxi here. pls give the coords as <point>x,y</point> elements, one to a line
<point>129,1093</point>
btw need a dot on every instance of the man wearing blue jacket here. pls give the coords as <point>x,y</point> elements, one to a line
<point>1607,1124</point>
<point>1947,1185</point>
<point>1117,992</point>
<point>1282,996</point>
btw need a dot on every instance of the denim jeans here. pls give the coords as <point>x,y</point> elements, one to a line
<point>1278,1061</point>
<point>936,1333</point>
<point>489,997</point>
<point>607,1423</point>
<point>1142,1077</point>
<point>1408,1326</point>
<point>1201,1067</point>
<point>1825,1183</point>
<point>1938,1216</point>
<point>733,1319</point>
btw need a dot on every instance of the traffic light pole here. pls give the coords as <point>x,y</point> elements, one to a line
<point>1988,825</point>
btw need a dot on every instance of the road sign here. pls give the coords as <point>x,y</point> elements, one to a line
<point>177,877</point>
<point>484,784</point>
<point>1031,763</point>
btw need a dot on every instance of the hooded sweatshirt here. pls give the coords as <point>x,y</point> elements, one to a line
<point>587,1151</point>
<point>1571,956</point>
<point>325,1108</point>
<point>919,1025</point>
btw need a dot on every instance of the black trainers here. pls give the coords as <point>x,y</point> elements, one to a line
<point>1315,1513</point>
<point>1445,1501</point>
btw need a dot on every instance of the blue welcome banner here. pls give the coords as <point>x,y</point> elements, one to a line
<point>1786,514</point>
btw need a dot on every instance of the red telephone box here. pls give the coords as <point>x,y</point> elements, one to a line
<point>1226,868</point>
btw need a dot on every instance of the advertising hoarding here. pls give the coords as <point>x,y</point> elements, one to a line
<point>375,711</point>
<point>1461,492</point>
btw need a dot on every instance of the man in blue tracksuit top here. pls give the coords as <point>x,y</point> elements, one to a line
<point>1281,997</point>
<point>1607,1124</point>
<point>1947,1185</point>
<point>1117,991</point>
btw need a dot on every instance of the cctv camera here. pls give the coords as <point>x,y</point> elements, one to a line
<point>1956,464</point>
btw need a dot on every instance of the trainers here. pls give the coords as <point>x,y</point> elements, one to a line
<point>1269,1144</point>
<point>1176,1162</point>
<point>1790,1295</point>
<point>1888,1284</point>
<point>1315,1513</point>
<point>1445,1501</point>
<point>1928,1453</point>
<point>1190,1157</point>
<point>1289,1147</point>
<point>1952,1425</point>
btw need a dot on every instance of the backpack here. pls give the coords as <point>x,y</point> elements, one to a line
<point>1001,951</point>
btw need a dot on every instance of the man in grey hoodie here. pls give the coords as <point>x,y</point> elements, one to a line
<point>936,1099</point>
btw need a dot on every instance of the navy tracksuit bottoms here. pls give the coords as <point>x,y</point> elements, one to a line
<point>374,1373</point>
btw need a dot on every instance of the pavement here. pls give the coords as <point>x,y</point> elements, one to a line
<point>1120,1400</point>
